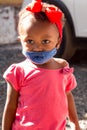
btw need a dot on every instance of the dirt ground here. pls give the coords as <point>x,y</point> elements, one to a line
<point>12,53</point>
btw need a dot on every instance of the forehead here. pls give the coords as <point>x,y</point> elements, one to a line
<point>31,25</point>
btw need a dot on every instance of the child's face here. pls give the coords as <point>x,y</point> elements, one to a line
<point>39,36</point>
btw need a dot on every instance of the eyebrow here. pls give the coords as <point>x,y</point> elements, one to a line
<point>30,36</point>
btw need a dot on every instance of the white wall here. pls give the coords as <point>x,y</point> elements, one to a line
<point>26,2</point>
<point>8,32</point>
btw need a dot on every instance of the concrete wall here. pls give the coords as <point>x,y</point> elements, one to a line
<point>26,2</point>
<point>8,15</point>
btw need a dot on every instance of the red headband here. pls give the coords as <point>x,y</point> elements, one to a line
<point>52,12</point>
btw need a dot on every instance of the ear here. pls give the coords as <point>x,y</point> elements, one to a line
<point>19,39</point>
<point>58,44</point>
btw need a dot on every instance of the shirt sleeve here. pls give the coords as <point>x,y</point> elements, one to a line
<point>11,75</point>
<point>71,82</point>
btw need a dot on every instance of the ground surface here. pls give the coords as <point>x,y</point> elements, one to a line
<point>12,53</point>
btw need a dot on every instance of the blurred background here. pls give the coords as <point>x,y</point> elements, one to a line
<point>10,52</point>
<point>8,20</point>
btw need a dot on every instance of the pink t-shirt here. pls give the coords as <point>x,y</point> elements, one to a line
<point>42,102</point>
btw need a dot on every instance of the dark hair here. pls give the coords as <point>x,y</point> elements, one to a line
<point>40,16</point>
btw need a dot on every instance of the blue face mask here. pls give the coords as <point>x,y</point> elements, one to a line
<point>40,57</point>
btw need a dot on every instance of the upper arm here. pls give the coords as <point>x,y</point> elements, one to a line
<point>12,96</point>
<point>70,100</point>
<point>10,107</point>
<point>69,94</point>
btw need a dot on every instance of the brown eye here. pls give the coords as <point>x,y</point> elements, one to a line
<point>45,42</point>
<point>30,41</point>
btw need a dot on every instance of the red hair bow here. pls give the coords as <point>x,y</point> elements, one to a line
<point>52,12</point>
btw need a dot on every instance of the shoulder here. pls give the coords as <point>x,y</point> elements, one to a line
<point>19,65</point>
<point>14,75</point>
<point>14,68</point>
<point>61,62</point>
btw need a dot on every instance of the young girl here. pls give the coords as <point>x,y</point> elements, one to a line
<point>39,88</point>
